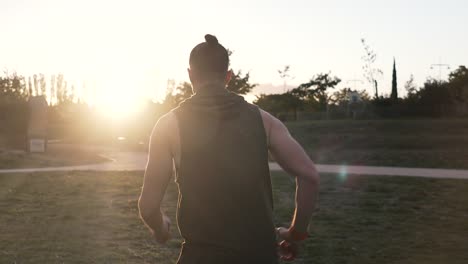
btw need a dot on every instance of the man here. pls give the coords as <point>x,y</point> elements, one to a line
<point>219,146</point>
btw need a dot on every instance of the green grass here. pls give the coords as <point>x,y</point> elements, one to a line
<point>384,220</point>
<point>91,217</point>
<point>53,157</point>
<point>427,143</point>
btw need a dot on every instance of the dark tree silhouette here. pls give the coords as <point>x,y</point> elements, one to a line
<point>342,96</point>
<point>59,89</point>
<point>30,86</point>
<point>394,95</point>
<point>240,84</point>
<point>458,81</point>
<point>410,86</point>
<point>42,84</point>
<point>315,89</point>
<point>277,103</point>
<point>434,98</point>
<point>458,85</point>
<point>12,88</point>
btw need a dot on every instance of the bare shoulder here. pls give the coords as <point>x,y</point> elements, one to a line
<point>269,123</point>
<point>165,125</point>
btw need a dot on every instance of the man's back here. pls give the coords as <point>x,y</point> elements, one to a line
<point>219,144</point>
<point>225,200</point>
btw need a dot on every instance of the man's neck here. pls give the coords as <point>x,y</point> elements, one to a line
<point>209,87</point>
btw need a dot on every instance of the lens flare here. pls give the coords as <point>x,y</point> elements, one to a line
<point>343,172</point>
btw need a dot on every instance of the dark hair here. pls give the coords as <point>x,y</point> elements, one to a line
<point>209,59</point>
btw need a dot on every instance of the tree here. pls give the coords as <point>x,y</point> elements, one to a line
<point>314,91</point>
<point>458,81</point>
<point>176,94</point>
<point>279,103</point>
<point>30,86</point>
<point>458,86</point>
<point>371,73</point>
<point>59,91</point>
<point>342,96</point>
<point>394,95</point>
<point>52,89</point>
<point>13,107</point>
<point>410,87</point>
<point>42,84</point>
<point>36,86</point>
<point>71,95</point>
<point>12,88</point>
<point>182,92</point>
<point>434,97</point>
<point>240,84</point>
<point>284,74</point>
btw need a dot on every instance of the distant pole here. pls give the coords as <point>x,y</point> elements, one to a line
<point>440,65</point>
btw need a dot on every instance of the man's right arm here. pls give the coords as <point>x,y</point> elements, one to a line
<point>293,159</point>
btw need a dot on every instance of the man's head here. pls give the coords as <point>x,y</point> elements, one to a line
<point>209,62</point>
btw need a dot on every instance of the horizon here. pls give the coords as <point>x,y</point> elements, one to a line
<point>140,45</point>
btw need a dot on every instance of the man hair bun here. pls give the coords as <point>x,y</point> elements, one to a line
<point>210,39</point>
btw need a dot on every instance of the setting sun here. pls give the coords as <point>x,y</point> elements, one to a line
<point>119,106</point>
<point>116,101</point>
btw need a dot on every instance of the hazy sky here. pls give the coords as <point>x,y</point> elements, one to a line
<point>138,44</point>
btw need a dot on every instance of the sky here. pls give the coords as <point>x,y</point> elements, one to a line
<point>138,45</point>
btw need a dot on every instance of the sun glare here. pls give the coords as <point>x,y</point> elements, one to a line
<point>119,107</point>
<point>119,101</point>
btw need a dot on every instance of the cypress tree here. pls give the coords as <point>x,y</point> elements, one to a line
<point>394,95</point>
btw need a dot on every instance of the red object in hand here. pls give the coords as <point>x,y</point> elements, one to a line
<point>287,251</point>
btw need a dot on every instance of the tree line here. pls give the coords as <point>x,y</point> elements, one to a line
<point>435,98</point>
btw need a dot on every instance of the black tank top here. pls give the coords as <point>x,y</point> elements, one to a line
<point>225,202</point>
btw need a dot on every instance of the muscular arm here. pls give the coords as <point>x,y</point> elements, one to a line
<point>293,159</point>
<point>157,175</point>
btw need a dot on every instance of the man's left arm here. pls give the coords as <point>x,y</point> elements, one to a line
<point>157,175</point>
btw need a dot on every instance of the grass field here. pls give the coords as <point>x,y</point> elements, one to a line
<point>91,217</point>
<point>53,157</point>
<point>431,143</point>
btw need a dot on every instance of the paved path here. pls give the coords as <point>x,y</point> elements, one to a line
<point>131,161</point>
<point>388,171</point>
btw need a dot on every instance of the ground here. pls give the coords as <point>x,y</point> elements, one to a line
<point>54,157</point>
<point>91,217</point>
<point>423,143</point>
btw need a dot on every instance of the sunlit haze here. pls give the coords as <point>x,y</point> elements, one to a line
<point>138,45</point>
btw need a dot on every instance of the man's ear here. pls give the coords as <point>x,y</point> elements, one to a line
<point>228,77</point>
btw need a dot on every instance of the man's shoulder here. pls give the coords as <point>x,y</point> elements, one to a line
<point>167,122</point>
<point>267,117</point>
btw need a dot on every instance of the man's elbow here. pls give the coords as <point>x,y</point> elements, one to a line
<point>311,176</point>
<point>314,177</point>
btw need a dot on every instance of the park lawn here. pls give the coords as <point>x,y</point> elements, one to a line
<point>424,143</point>
<point>52,158</point>
<point>92,217</point>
